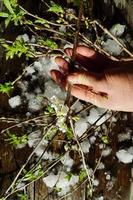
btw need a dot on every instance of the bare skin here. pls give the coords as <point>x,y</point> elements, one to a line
<point>105,83</point>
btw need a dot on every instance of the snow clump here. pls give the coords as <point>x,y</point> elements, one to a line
<point>52,89</point>
<point>112,47</point>
<point>15,101</point>
<point>117,30</point>
<point>95,114</point>
<point>81,126</point>
<point>85,145</point>
<point>67,161</point>
<point>45,65</point>
<point>124,136</point>
<point>124,156</point>
<point>51,180</point>
<point>106,152</point>
<point>61,182</point>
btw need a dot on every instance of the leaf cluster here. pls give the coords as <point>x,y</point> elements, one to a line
<point>22,196</point>
<point>48,43</point>
<point>55,8</point>
<point>13,13</point>
<point>6,88</point>
<point>33,174</point>
<point>15,140</point>
<point>18,48</point>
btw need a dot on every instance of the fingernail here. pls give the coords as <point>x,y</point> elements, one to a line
<point>68,51</point>
<point>57,59</point>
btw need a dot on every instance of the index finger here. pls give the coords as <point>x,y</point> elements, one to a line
<point>86,56</point>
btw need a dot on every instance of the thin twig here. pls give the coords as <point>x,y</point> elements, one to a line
<point>81,152</point>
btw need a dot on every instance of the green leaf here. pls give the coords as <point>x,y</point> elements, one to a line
<point>43,22</point>
<point>69,134</point>
<point>8,6</point>
<point>105,139</point>
<point>56,8</point>
<point>49,43</point>
<point>82,175</point>
<point>15,140</point>
<point>22,196</point>
<point>14,3</point>
<point>7,21</point>
<point>69,176</point>
<point>2,14</point>
<point>40,21</point>
<point>6,88</point>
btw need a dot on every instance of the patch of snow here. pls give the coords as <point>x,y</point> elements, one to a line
<point>15,101</point>
<point>92,139</point>
<point>77,106</point>
<point>61,182</point>
<point>124,156</point>
<point>108,177</point>
<point>64,184</point>
<point>28,114</point>
<point>95,114</point>
<point>46,65</point>
<point>52,89</point>
<point>29,70</point>
<point>124,136</point>
<point>101,166</point>
<point>23,86</point>
<point>37,90</point>
<point>96,182</point>
<point>106,152</point>
<point>117,30</point>
<point>48,155</point>
<point>51,180</point>
<point>34,138</point>
<point>130,150</point>
<point>33,39</point>
<point>25,37</point>
<point>38,66</point>
<point>101,146</point>
<point>67,160</point>
<point>81,126</point>
<point>20,186</point>
<point>85,145</point>
<point>112,47</point>
<point>34,104</point>
<point>20,146</point>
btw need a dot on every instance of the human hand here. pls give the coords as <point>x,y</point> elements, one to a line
<point>105,83</point>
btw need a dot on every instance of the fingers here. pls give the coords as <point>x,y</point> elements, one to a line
<point>82,50</point>
<point>90,59</point>
<point>63,64</point>
<point>59,78</point>
<point>84,93</point>
<point>96,81</point>
<point>81,87</point>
